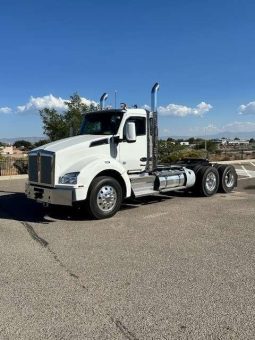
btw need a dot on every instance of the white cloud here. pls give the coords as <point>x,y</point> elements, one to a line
<point>239,127</point>
<point>50,101</point>
<point>211,128</point>
<point>183,111</point>
<point>236,126</point>
<point>247,109</point>
<point>233,127</point>
<point>5,109</point>
<point>38,103</point>
<point>88,101</point>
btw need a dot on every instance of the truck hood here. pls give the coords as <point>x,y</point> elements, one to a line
<point>71,143</point>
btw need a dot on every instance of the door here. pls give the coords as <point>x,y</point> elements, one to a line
<point>133,156</point>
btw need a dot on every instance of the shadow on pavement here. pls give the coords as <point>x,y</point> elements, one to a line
<point>250,187</point>
<point>18,207</point>
<point>15,205</point>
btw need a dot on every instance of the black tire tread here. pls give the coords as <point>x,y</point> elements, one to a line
<point>222,170</point>
<point>200,181</point>
<point>92,208</point>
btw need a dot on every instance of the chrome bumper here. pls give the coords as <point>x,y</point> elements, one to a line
<point>50,195</point>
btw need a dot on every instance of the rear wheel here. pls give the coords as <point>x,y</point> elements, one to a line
<point>105,197</point>
<point>207,181</point>
<point>228,178</point>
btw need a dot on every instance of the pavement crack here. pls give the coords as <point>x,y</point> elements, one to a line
<point>43,243</point>
<point>34,235</point>
<point>63,265</point>
<point>124,330</point>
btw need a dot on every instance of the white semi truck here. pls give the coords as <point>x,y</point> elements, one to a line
<point>114,157</point>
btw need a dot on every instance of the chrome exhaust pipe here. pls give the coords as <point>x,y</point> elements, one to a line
<point>154,107</point>
<point>102,100</point>
<point>154,97</point>
<point>152,132</point>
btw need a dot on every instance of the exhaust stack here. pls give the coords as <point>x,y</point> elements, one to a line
<point>102,100</point>
<point>154,108</point>
<point>154,97</point>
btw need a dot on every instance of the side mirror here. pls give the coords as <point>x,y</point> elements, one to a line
<point>130,132</point>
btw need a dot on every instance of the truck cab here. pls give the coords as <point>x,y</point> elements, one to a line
<point>131,154</point>
<point>114,157</point>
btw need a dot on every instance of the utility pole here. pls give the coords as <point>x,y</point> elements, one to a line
<point>205,140</point>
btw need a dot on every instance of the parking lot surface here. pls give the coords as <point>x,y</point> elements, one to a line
<point>165,267</point>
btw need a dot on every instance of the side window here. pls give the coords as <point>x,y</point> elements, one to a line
<point>140,125</point>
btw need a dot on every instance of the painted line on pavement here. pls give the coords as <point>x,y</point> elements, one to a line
<point>247,173</point>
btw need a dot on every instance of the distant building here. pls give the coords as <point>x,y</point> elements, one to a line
<point>6,150</point>
<point>184,143</point>
<point>12,151</point>
<point>238,142</point>
<point>221,141</point>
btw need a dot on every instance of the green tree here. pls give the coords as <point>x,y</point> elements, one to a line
<point>58,125</point>
<point>41,142</point>
<point>54,125</point>
<point>23,144</point>
<point>73,116</point>
<point>191,140</point>
<point>169,152</point>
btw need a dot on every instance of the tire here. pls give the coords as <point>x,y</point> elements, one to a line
<point>217,165</point>
<point>105,197</point>
<point>228,178</point>
<point>207,183</point>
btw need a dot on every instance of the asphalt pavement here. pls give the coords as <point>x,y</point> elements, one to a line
<point>166,267</point>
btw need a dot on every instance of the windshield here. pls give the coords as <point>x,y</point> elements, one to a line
<point>101,123</point>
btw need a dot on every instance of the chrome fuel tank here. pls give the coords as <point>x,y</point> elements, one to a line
<point>171,179</point>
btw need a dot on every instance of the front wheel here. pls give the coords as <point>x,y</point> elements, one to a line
<point>105,197</point>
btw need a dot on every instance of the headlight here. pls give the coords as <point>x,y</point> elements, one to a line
<point>70,178</point>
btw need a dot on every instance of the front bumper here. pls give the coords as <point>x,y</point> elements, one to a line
<point>57,196</point>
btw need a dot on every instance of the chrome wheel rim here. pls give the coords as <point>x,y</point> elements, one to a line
<point>229,179</point>
<point>106,198</point>
<point>211,181</point>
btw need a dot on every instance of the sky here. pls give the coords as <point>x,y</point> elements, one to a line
<point>202,53</point>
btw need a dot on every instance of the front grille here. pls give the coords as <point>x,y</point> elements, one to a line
<point>46,169</point>
<point>32,168</point>
<point>41,167</point>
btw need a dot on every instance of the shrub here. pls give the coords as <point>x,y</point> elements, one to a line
<point>21,165</point>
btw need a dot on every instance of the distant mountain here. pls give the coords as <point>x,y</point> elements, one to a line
<point>12,140</point>
<point>226,134</point>
<point>232,135</point>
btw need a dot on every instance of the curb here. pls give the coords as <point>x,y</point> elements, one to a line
<point>7,178</point>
